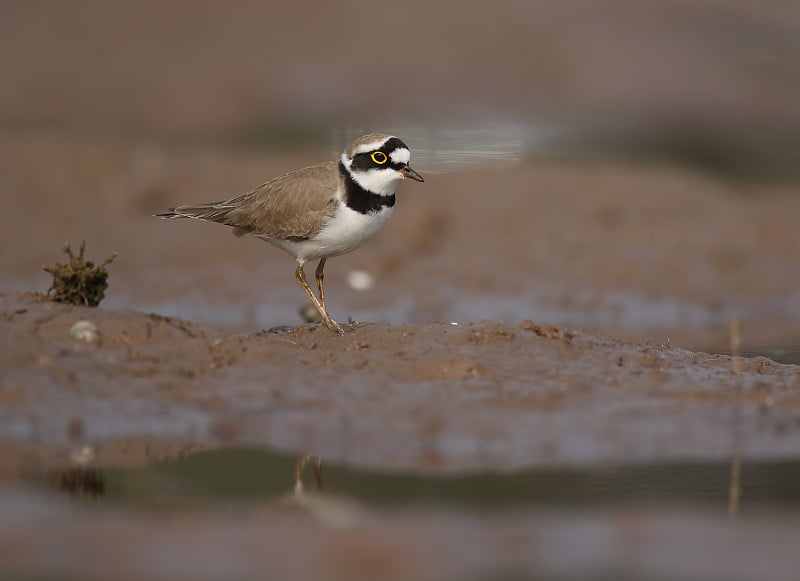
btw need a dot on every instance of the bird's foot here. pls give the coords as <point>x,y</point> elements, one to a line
<point>334,326</point>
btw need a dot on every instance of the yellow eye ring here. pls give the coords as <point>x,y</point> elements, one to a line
<point>379,157</point>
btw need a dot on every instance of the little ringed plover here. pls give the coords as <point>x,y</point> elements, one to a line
<point>319,211</point>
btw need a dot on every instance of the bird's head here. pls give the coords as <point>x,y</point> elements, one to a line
<point>379,162</point>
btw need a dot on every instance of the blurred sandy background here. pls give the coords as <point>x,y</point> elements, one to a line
<point>627,167</point>
<point>197,68</point>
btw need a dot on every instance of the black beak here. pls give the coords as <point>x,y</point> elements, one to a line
<point>410,173</point>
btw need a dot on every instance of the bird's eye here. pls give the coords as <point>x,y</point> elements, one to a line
<point>379,157</point>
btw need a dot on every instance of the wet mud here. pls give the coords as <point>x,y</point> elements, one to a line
<point>442,396</point>
<point>562,435</point>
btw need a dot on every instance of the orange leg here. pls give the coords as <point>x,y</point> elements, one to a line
<point>320,278</point>
<point>301,278</point>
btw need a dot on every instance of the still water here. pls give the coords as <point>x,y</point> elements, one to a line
<point>247,475</point>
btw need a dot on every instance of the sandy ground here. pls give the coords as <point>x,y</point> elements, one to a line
<point>435,397</point>
<point>533,304</point>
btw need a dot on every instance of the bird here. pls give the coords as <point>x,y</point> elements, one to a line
<point>320,211</point>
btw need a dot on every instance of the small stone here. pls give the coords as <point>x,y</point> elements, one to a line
<point>310,314</point>
<point>85,330</point>
<point>360,280</point>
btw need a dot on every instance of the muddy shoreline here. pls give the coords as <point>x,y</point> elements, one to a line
<point>429,397</point>
<point>437,399</point>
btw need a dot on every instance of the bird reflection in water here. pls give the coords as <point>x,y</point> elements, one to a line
<point>298,473</point>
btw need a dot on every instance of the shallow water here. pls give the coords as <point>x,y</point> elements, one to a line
<point>241,507</point>
<point>246,475</point>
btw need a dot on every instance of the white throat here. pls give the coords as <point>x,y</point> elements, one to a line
<point>382,181</point>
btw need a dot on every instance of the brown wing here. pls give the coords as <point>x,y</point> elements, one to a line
<point>294,206</point>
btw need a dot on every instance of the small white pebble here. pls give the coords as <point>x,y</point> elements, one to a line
<point>82,456</point>
<point>360,280</point>
<point>454,323</point>
<point>85,330</point>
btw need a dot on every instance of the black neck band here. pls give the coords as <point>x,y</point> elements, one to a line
<point>362,200</point>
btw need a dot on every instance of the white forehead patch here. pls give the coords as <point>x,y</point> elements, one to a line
<point>400,155</point>
<point>370,146</point>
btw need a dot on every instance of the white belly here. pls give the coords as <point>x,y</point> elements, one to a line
<point>345,232</point>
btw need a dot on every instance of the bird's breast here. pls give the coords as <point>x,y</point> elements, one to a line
<point>348,229</point>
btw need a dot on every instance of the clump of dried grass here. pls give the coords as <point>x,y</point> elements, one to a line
<point>79,281</point>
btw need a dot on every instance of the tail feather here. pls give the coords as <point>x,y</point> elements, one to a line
<point>215,212</point>
<point>169,214</point>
